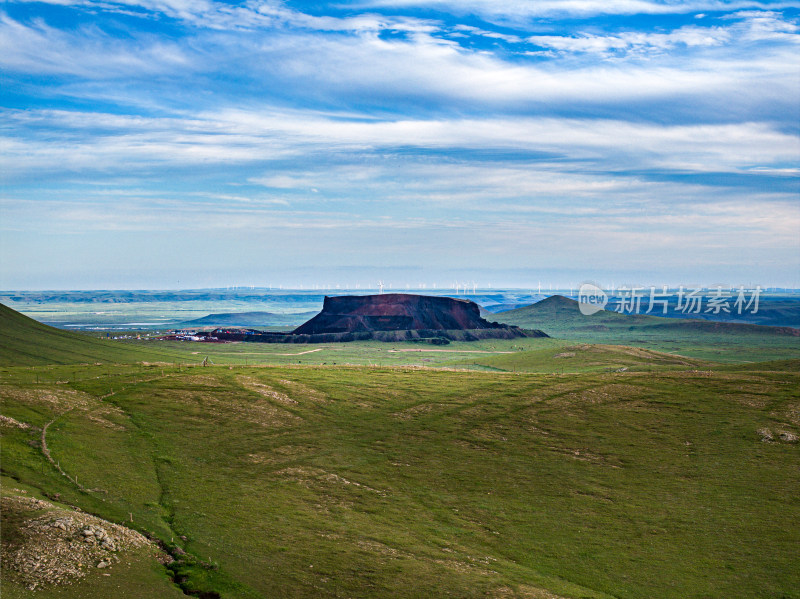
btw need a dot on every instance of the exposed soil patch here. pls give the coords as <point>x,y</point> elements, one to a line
<point>780,435</point>
<point>253,384</point>
<point>224,407</point>
<point>303,390</point>
<point>280,454</point>
<point>310,477</point>
<point>523,592</point>
<point>9,422</point>
<point>47,545</point>
<point>105,416</point>
<point>418,410</point>
<point>59,400</point>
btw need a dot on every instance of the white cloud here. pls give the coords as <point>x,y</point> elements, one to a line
<point>267,13</point>
<point>419,71</point>
<point>252,14</point>
<point>522,10</point>
<point>427,71</point>
<point>96,141</point>
<point>697,147</point>
<point>514,39</point>
<point>755,26</point>
<point>636,41</point>
<point>88,52</point>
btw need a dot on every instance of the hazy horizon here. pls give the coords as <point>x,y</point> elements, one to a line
<point>464,288</point>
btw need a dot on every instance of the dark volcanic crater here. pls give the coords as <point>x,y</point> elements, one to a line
<point>394,312</point>
<point>389,317</point>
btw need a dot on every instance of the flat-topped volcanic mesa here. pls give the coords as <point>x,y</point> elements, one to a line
<point>395,312</point>
<point>388,317</point>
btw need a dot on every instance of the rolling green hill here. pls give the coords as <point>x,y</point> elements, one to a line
<point>375,482</point>
<point>26,342</point>
<point>560,317</point>
<point>564,313</point>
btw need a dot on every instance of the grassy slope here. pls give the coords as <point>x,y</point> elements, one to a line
<point>727,342</point>
<point>138,576</point>
<point>382,482</point>
<point>24,341</point>
<point>572,358</point>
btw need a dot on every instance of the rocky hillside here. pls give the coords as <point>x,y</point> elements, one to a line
<point>395,312</point>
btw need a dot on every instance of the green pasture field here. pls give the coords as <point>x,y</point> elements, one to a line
<point>721,342</point>
<point>361,482</point>
<point>529,468</point>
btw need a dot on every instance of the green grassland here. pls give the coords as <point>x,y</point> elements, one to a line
<point>359,482</point>
<point>722,342</point>
<point>583,357</point>
<point>26,342</point>
<point>530,468</point>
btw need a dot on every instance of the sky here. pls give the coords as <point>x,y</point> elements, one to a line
<point>197,143</point>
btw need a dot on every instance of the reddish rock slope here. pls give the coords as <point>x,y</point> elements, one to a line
<point>395,312</point>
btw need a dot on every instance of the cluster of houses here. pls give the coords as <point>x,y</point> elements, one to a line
<point>186,335</point>
<point>215,336</point>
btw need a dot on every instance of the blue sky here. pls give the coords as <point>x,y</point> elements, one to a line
<point>193,143</point>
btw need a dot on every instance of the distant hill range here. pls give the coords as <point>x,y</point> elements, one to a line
<point>248,319</point>
<point>561,316</point>
<point>780,311</point>
<point>389,317</point>
<point>773,310</point>
<point>487,311</point>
